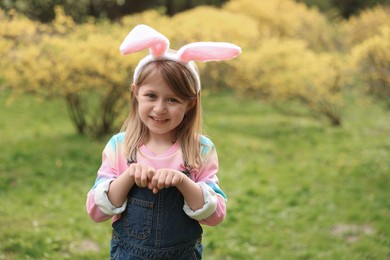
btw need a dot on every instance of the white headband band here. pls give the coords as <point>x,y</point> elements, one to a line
<point>167,56</point>
<point>143,37</point>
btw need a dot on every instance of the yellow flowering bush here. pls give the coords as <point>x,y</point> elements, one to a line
<point>86,70</point>
<point>372,62</point>
<point>16,27</point>
<point>288,53</point>
<point>366,25</point>
<point>212,24</point>
<point>237,28</point>
<point>62,23</point>
<point>15,31</point>
<point>81,64</point>
<point>152,18</point>
<point>287,69</point>
<point>287,19</point>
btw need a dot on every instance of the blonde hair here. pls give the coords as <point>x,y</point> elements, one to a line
<point>188,133</point>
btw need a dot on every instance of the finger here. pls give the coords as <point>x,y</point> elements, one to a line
<point>144,177</point>
<point>150,173</point>
<point>161,179</point>
<point>168,180</point>
<point>130,172</point>
<point>150,186</point>
<point>137,176</point>
<point>177,179</point>
<point>154,180</point>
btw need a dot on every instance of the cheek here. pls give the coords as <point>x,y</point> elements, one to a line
<point>181,115</point>
<point>142,111</point>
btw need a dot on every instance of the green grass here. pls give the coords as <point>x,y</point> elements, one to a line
<point>297,188</point>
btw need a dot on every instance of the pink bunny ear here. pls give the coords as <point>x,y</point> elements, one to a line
<point>143,37</point>
<point>208,51</point>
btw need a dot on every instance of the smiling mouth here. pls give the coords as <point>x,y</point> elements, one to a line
<point>160,120</point>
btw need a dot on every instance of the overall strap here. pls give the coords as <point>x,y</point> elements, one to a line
<point>187,170</point>
<point>130,161</point>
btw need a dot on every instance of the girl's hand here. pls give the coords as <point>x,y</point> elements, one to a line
<point>165,178</point>
<point>142,174</point>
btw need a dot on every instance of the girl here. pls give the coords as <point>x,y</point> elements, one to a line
<point>158,179</point>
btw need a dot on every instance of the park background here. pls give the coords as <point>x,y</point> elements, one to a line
<point>301,122</point>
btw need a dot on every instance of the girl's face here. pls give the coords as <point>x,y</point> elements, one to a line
<point>159,108</point>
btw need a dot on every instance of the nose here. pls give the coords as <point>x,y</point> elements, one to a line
<point>160,107</point>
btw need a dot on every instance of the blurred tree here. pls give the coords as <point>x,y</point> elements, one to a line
<point>351,7</point>
<point>345,8</point>
<point>372,63</point>
<point>43,10</point>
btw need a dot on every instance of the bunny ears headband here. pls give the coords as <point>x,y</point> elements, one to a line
<point>143,37</point>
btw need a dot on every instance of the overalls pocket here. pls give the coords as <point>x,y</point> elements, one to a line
<point>138,218</point>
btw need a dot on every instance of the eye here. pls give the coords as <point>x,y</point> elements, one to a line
<point>173,100</point>
<point>150,96</point>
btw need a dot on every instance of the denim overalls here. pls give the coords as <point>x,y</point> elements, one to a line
<point>155,226</point>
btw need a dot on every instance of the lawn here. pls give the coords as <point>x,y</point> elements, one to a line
<point>297,188</point>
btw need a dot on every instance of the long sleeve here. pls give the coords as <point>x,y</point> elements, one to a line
<point>214,210</point>
<point>98,206</point>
